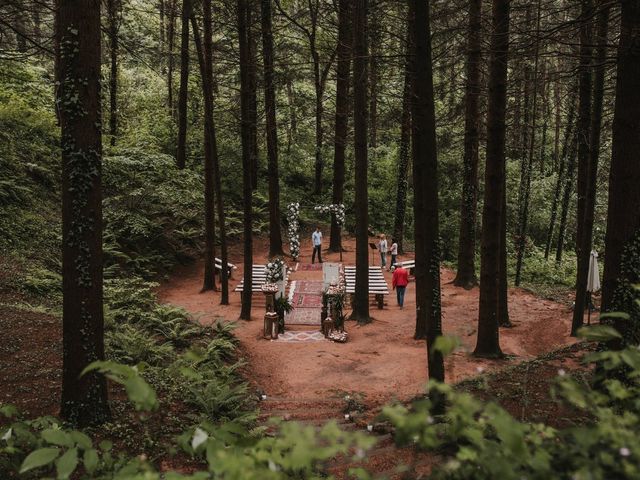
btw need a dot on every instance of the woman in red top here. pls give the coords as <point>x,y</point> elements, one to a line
<point>400,280</point>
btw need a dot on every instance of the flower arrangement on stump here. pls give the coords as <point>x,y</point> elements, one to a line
<point>275,270</point>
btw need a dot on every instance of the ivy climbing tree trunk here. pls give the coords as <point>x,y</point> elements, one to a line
<point>425,172</point>
<point>275,235</point>
<point>466,275</point>
<point>181,152</point>
<point>622,257</point>
<point>171,38</point>
<point>583,130</point>
<point>84,398</point>
<point>361,300</point>
<point>345,39</point>
<point>488,343</point>
<point>245,131</point>
<point>206,73</point>
<point>592,172</point>
<point>405,142</point>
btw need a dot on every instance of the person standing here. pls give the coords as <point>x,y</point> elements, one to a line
<point>382,246</point>
<point>400,280</point>
<point>316,239</point>
<point>393,251</point>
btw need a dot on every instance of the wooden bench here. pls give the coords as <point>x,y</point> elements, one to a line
<point>230,266</point>
<point>408,265</point>
<point>258,278</point>
<point>377,284</point>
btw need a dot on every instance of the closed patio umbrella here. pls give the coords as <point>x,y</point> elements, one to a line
<point>593,280</point>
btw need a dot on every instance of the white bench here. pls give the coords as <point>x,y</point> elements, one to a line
<point>230,266</point>
<point>377,284</point>
<point>408,265</point>
<point>258,278</point>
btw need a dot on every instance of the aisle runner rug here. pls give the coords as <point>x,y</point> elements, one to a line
<point>308,286</point>
<point>310,267</point>
<point>306,300</point>
<point>303,316</point>
<point>310,336</point>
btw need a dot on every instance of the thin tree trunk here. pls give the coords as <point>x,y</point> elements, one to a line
<point>466,275</point>
<point>293,121</point>
<point>181,152</point>
<point>425,165</point>
<point>568,136</point>
<point>592,172</point>
<point>113,12</point>
<point>84,397</point>
<point>245,107</point>
<point>171,29</point>
<point>566,196</point>
<point>206,73</point>
<point>622,264</point>
<point>319,111</point>
<point>503,282</point>
<point>361,297</point>
<point>345,39</point>
<point>528,165</point>
<point>488,343</point>
<point>275,236</point>
<point>404,152</point>
<point>253,95</point>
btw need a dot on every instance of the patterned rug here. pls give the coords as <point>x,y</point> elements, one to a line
<point>308,286</point>
<point>306,300</point>
<point>310,267</point>
<point>303,316</point>
<point>301,336</point>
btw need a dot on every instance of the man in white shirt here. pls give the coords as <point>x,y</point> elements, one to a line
<point>316,239</point>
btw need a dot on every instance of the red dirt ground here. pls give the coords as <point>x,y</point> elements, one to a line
<point>381,360</point>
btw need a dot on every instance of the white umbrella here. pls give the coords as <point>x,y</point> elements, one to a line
<point>593,280</point>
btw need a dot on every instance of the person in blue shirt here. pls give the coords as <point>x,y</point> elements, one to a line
<point>316,239</point>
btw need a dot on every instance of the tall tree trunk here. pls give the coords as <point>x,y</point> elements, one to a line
<point>206,72</point>
<point>622,264</point>
<point>113,7</point>
<point>275,236</point>
<point>181,152</point>
<point>253,92</point>
<point>245,114</point>
<point>345,38</point>
<point>592,172</point>
<point>404,151</point>
<point>466,276</point>
<point>561,166</point>
<point>84,397</point>
<point>527,166</point>
<point>224,256</point>
<point>584,159</point>
<point>425,171</point>
<point>361,300</point>
<point>374,35</point>
<point>488,344</point>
